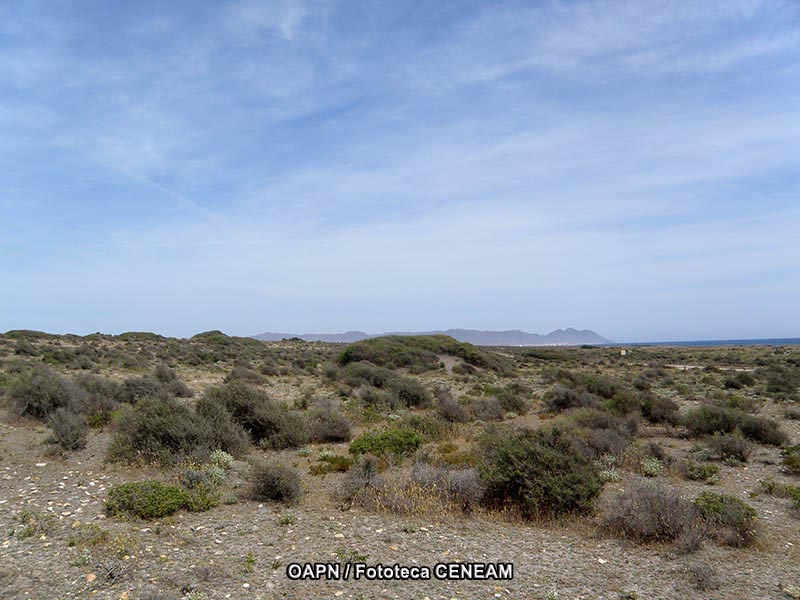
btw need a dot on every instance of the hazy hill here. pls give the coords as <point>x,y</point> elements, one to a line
<point>512,337</point>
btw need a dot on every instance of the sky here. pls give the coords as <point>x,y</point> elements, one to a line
<point>631,167</point>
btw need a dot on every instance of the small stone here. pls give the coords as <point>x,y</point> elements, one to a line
<point>91,577</point>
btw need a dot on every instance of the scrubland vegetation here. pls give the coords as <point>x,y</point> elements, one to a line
<point>652,449</point>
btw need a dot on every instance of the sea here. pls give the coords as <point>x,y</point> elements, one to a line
<point>753,342</point>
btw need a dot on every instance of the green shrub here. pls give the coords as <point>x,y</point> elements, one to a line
<point>244,374</point>
<point>418,351</point>
<point>325,424</point>
<point>449,408</point>
<point>134,389</point>
<point>145,499</point>
<point>397,442</point>
<point>653,513</point>
<point>709,419</point>
<point>540,473</point>
<point>274,482</point>
<point>161,430</point>
<point>99,400</point>
<point>736,518</point>
<point>730,446</point>
<point>791,458</point>
<point>222,432</point>
<point>430,426</point>
<point>268,423</point>
<point>560,398</point>
<point>660,409</point>
<point>37,392</point>
<point>762,430</point>
<point>331,463</point>
<point>783,490</point>
<point>409,392</point>
<point>512,397</point>
<point>69,429</point>
<point>693,471</point>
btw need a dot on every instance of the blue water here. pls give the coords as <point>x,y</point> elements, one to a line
<point>760,342</point>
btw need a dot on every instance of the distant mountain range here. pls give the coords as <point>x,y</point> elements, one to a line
<point>512,337</point>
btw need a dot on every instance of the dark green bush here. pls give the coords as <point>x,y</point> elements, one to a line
<point>734,517</point>
<point>409,392</point>
<point>69,429</point>
<point>560,398</point>
<point>223,433</point>
<point>791,458</point>
<point>145,499</point>
<point>429,425</point>
<point>397,442</point>
<point>693,471</point>
<point>539,473</point>
<point>244,374</point>
<point>274,482</point>
<point>161,430</point>
<point>660,409</point>
<point>762,430</point>
<point>326,424</point>
<point>449,408</point>
<point>135,388</point>
<point>268,423</point>
<point>487,409</point>
<point>705,420</point>
<point>99,400</point>
<point>730,446</point>
<point>38,391</point>
<point>650,512</point>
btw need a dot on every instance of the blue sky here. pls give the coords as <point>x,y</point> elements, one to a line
<point>632,167</point>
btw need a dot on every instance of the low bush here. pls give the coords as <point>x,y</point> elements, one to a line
<point>145,499</point>
<point>709,419</point>
<point>449,408</point>
<point>396,442</point>
<point>269,424</point>
<point>69,429</point>
<point>730,446</point>
<point>538,473</point>
<point>560,398</point>
<point>762,430</point>
<point>244,374</point>
<point>653,513</point>
<point>326,424</point>
<point>734,519</point>
<point>161,430</point>
<point>487,409</point>
<point>783,490</point>
<point>512,397</point>
<point>660,409</point>
<point>223,433</point>
<point>38,392</point>
<point>707,472</point>
<point>409,392</point>
<point>791,458</point>
<point>331,463</point>
<point>274,482</point>
<point>99,400</point>
<point>429,425</point>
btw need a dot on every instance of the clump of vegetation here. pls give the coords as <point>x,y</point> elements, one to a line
<point>734,519</point>
<point>791,458</point>
<point>538,473</point>
<point>69,429</point>
<point>418,352</point>
<point>38,392</point>
<point>396,442</point>
<point>560,398</point>
<point>730,447</point>
<point>274,482</point>
<point>429,425</point>
<point>449,408</point>
<point>164,430</point>
<point>783,490</point>
<point>33,523</point>
<point>146,499</point>
<point>706,472</point>
<point>331,463</point>
<point>710,419</point>
<point>326,424</point>
<point>660,409</point>
<point>269,424</point>
<point>653,513</point>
